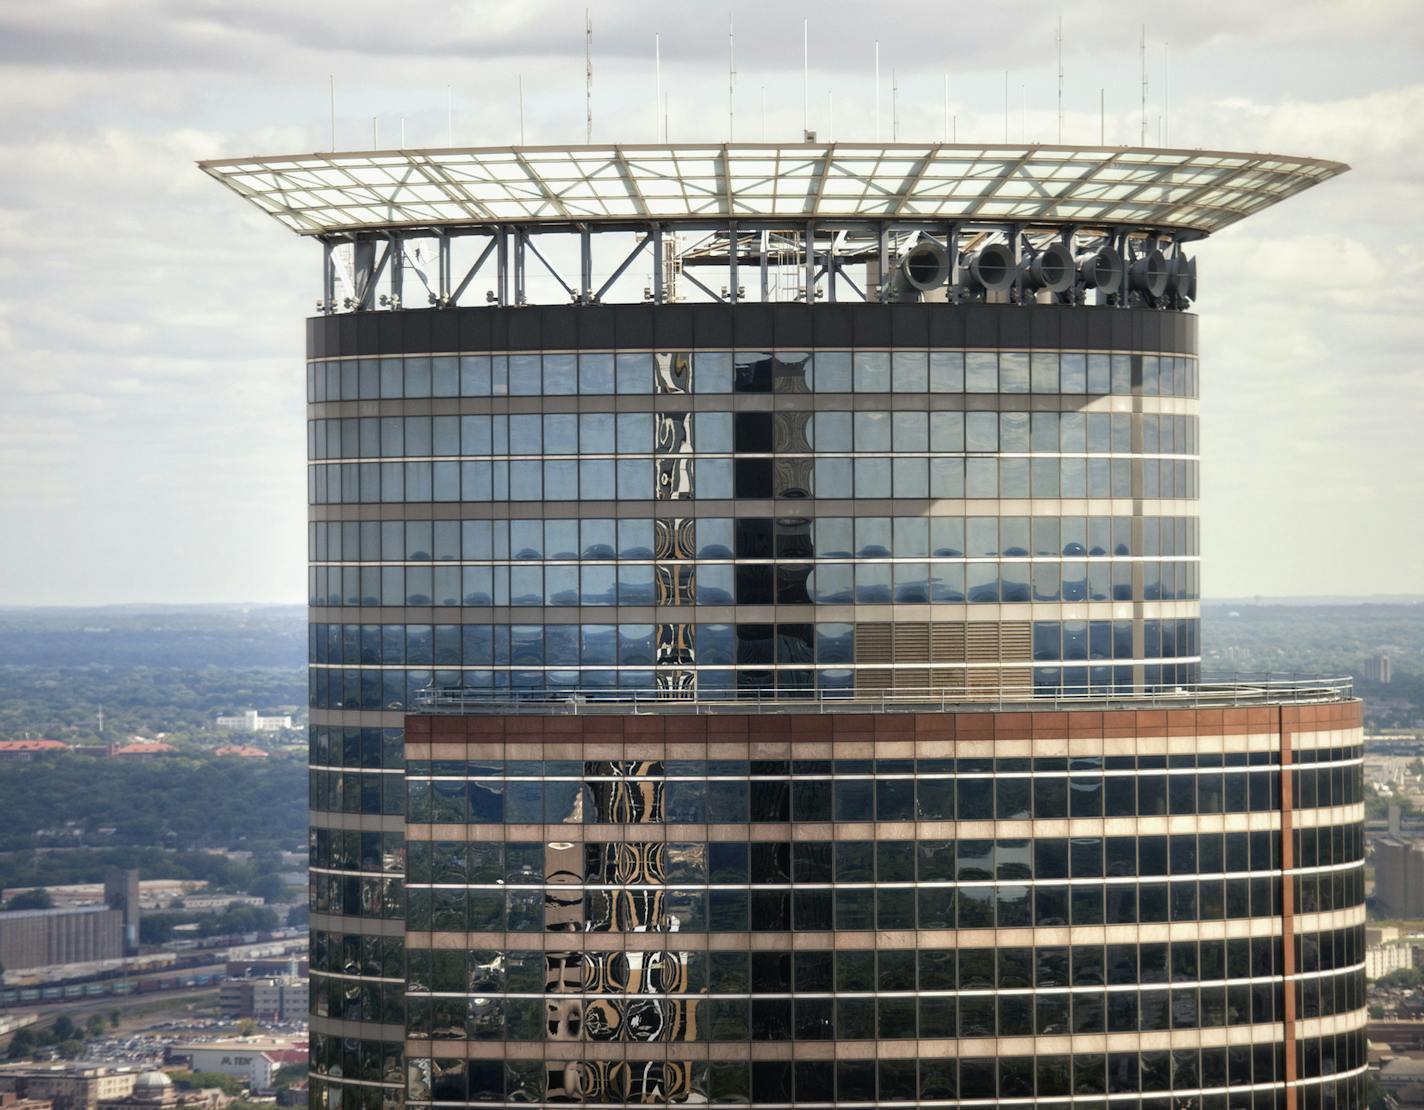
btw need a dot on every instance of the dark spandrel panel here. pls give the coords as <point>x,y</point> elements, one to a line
<point>526,331</point>
<point>910,324</point>
<point>633,326</point>
<point>723,326</point>
<point>870,325</point>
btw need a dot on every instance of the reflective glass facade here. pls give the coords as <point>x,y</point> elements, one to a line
<point>819,504</point>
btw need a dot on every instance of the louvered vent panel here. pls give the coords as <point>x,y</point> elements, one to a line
<point>879,678</point>
<point>912,643</point>
<point>1017,681</point>
<point>912,681</point>
<point>1015,641</point>
<point>874,643</point>
<point>982,643</point>
<point>982,680</point>
<point>948,680</point>
<point>947,643</point>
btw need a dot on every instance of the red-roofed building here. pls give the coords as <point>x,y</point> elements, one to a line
<point>28,749</point>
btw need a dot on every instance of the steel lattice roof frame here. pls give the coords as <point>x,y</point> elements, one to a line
<point>1190,193</point>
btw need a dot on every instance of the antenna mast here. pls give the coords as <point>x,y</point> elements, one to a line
<point>894,107</point>
<point>1142,48</point>
<point>1060,80</point>
<point>731,76</point>
<point>331,80</point>
<point>587,76</point>
<point>805,77</point>
<point>658,84</point>
<point>521,109</point>
<point>945,132</point>
<point>449,117</point>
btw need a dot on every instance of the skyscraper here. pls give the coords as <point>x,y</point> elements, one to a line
<point>785,687</point>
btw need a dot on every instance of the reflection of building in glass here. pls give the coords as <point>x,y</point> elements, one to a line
<point>738,698</point>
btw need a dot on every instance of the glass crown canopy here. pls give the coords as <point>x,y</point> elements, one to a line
<point>1186,190</point>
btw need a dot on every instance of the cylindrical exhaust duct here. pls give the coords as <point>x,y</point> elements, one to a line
<point>1050,269</point>
<point>1151,274</point>
<point>1184,276</point>
<point>923,267</point>
<point>1101,269</point>
<point>991,268</point>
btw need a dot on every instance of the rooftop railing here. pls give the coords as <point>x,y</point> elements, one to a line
<point>1216,692</point>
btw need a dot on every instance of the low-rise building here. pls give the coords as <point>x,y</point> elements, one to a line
<point>67,1086</point>
<point>266,999</point>
<point>142,748</point>
<point>249,720</point>
<point>1403,1077</point>
<point>1382,959</point>
<point>254,1061</point>
<point>154,1090</point>
<point>28,749</point>
<point>11,1101</point>
<point>216,903</point>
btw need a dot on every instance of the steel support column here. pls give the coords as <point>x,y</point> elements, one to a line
<point>443,269</point>
<point>397,264</point>
<point>501,265</point>
<point>732,247</point>
<point>765,276</point>
<point>810,261</point>
<point>657,234</point>
<point>585,265</point>
<point>882,283</point>
<point>328,277</point>
<point>520,236</point>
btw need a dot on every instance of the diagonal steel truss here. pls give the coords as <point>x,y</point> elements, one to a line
<point>1193,191</point>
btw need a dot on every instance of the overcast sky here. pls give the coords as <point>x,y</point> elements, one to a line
<point>151,433</point>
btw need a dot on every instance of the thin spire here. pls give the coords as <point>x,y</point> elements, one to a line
<point>449,116</point>
<point>587,76</point>
<point>731,76</point>
<point>894,107</point>
<point>877,90</point>
<point>1142,49</point>
<point>945,131</point>
<point>657,85</point>
<point>331,89</point>
<point>1060,80</point>
<point>805,76</point>
<point>521,109</point>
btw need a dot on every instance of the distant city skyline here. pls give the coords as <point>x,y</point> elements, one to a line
<point>147,343</point>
